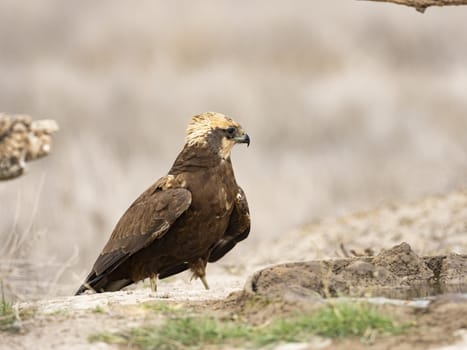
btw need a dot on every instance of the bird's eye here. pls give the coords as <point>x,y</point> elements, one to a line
<point>230,131</point>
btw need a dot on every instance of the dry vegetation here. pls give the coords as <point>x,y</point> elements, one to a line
<point>22,140</point>
<point>349,105</point>
<point>422,5</point>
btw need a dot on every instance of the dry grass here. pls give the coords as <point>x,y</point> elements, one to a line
<point>7,315</point>
<point>348,105</point>
<point>21,275</point>
<point>11,317</point>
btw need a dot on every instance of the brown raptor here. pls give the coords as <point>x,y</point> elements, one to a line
<point>193,215</point>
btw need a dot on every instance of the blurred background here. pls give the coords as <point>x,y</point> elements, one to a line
<point>348,104</point>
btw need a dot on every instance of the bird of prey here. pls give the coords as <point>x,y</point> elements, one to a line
<point>193,215</point>
<point>22,140</point>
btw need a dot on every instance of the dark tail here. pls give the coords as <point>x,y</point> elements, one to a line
<point>101,284</point>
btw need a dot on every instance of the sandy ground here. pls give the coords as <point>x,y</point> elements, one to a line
<point>66,323</point>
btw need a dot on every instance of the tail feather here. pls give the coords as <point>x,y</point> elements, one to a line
<point>101,283</point>
<point>82,289</point>
<point>92,283</point>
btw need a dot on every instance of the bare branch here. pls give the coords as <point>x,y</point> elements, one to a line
<point>422,5</point>
<point>22,140</point>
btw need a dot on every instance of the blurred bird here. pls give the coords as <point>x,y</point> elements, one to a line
<point>192,216</point>
<point>22,140</point>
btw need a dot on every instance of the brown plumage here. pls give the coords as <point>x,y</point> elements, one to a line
<point>192,216</point>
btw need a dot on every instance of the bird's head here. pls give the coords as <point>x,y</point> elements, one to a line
<point>216,131</point>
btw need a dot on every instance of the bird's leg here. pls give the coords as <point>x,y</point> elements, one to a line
<point>153,282</point>
<point>198,268</point>
<point>205,281</point>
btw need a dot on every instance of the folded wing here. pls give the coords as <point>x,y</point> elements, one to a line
<point>238,229</point>
<point>147,219</point>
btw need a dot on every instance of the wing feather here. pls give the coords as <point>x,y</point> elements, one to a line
<point>238,229</point>
<point>147,219</point>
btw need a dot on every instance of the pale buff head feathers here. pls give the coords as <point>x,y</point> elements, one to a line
<point>229,132</point>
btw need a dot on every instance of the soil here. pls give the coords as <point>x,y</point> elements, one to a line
<point>396,278</point>
<point>394,273</point>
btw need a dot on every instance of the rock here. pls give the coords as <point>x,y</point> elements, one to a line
<point>394,273</point>
<point>403,262</point>
<point>453,270</point>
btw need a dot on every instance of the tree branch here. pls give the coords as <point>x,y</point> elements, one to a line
<point>22,140</point>
<point>422,5</point>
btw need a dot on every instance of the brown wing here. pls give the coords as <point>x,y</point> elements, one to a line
<point>238,229</point>
<point>147,219</point>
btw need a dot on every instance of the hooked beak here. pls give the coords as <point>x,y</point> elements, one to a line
<point>243,139</point>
